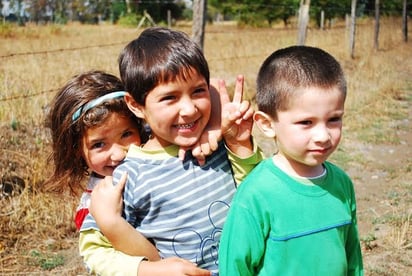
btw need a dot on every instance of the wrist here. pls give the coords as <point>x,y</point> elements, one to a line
<point>241,148</point>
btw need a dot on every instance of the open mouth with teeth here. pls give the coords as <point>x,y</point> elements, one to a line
<point>185,126</point>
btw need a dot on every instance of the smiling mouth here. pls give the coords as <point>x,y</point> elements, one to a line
<point>185,126</point>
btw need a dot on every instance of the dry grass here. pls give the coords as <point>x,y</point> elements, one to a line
<point>37,230</point>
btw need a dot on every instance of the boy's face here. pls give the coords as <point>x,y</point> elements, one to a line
<point>309,131</point>
<point>105,146</point>
<point>177,112</point>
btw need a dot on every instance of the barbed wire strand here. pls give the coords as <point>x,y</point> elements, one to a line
<point>61,50</point>
<point>15,97</point>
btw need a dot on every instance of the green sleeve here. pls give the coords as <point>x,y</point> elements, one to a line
<point>243,166</point>
<point>353,249</point>
<point>102,259</point>
<point>241,245</point>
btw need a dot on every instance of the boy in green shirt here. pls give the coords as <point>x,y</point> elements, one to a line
<point>295,213</point>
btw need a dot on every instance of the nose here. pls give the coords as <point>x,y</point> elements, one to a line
<point>187,107</point>
<point>118,153</point>
<point>321,134</point>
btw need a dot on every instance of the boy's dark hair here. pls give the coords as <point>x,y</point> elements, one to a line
<point>69,166</point>
<point>286,70</point>
<point>157,56</point>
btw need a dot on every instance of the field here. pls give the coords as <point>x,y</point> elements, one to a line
<point>37,234</point>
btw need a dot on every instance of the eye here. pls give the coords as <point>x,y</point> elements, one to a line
<point>305,122</point>
<point>98,145</point>
<point>167,98</point>
<point>127,133</point>
<point>200,91</point>
<point>335,119</point>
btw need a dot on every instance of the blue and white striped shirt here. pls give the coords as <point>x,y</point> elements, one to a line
<point>180,206</point>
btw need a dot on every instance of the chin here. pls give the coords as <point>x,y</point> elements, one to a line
<point>187,142</point>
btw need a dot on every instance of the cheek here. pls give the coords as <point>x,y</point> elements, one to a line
<point>206,108</point>
<point>93,161</point>
<point>336,136</point>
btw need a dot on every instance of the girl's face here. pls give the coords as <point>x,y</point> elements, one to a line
<point>105,146</point>
<point>177,112</point>
<point>309,131</point>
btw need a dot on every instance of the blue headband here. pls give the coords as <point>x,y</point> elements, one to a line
<point>96,102</point>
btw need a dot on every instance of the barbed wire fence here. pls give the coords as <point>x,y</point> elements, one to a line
<point>54,51</point>
<point>61,50</point>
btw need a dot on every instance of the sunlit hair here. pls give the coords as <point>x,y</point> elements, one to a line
<point>287,70</point>
<point>70,168</point>
<point>159,55</point>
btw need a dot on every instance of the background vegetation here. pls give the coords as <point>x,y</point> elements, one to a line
<point>37,232</point>
<point>251,12</point>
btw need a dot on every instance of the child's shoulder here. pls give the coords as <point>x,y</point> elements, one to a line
<point>331,167</point>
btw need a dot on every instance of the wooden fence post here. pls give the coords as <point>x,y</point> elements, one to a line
<point>352,29</point>
<point>199,21</point>
<point>405,20</point>
<point>377,18</point>
<point>303,21</point>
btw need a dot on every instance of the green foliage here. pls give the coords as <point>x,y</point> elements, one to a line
<point>46,261</point>
<point>7,30</point>
<point>158,10</point>
<point>131,20</point>
<point>118,9</point>
<point>14,124</point>
<point>331,9</point>
<point>258,12</point>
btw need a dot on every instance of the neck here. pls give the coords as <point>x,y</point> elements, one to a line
<point>297,169</point>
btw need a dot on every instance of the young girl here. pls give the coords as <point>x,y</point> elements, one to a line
<point>92,129</point>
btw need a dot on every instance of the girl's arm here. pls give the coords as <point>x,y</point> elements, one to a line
<point>101,258</point>
<point>106,206</point>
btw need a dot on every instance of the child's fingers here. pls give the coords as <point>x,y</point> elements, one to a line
<point>122,182</point>
<point>198,154</point>
<point>214,141</point>
<point>181,153</point>
<point>238,94</point>
<point>248,115</point>
<point>224,96</point>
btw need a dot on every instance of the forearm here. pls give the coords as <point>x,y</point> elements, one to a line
<point>96,250</point>
<point>127,239</point>
<point>243,149</point>
<point>242,166</point>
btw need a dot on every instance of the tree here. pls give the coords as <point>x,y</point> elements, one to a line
<point>331,9</point>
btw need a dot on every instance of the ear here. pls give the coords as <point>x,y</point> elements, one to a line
<point>265,123</point>
<point>134,107</point>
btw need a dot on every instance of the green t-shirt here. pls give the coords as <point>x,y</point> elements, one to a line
<point>278,225</point>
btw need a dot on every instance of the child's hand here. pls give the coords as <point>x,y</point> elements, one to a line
<point>173,266</point>
<point>106,199</point>
<point>237,119</point>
